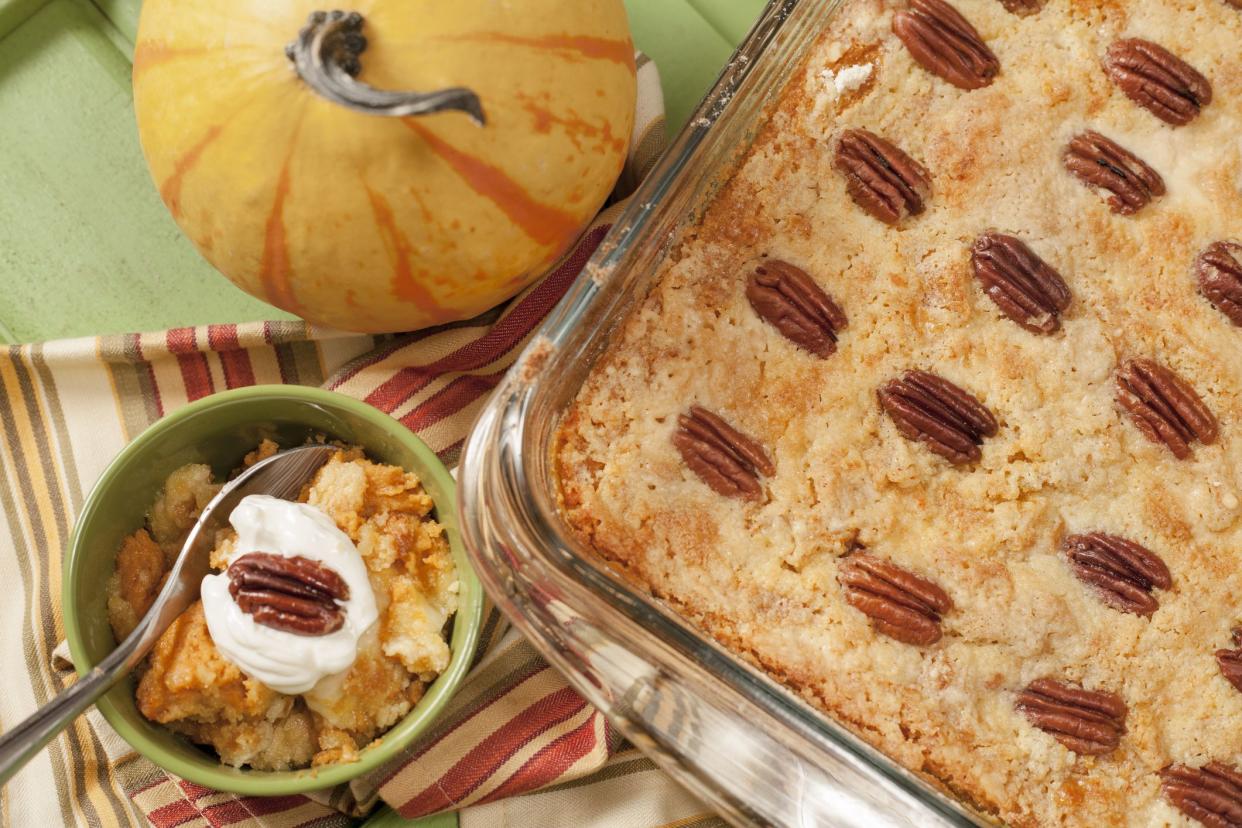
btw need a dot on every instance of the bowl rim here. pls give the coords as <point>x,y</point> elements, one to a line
<point>218,776</point>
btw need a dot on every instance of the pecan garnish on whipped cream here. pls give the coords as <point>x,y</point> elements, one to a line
<point>1089,722</point>
<point>900,604</point>
<point>787,298</point>
<point>721,456</point>
<point>945,44</point>
<point>931,409</point>
<point>294,594</point>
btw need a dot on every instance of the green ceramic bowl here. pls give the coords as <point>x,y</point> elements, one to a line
<point>219,430</point>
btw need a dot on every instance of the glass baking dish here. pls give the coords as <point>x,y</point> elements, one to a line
<point>754,750</point>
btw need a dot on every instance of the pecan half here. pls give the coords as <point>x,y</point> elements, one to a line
<point>724,458</point>
<point>787,298</point>
<point>1211,794</point>
<point>880,178</point>
<point>1164,407</point>
<point>1230,661</point>
<point>1122,572</point>
<point>945,44</point>
<point>1023,7</point>
<point>900,604</point>
<point>1158,80</point>
<point>1085,721</point>
<point>1219,269</point>
<point>1025,287</point>
<point>1104,164</point>
<point>297,595</point>
<point>933,410</point>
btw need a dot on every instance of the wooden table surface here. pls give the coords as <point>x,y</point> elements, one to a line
<point>86,246</point>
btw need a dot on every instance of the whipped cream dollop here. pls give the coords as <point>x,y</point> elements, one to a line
<point>285,661</point>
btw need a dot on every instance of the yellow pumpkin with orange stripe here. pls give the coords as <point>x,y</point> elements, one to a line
<point>398,164</point>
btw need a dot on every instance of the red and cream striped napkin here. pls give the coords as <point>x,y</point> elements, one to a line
<point>515,727</point>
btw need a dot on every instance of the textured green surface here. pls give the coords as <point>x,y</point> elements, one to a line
<point>86,246</point>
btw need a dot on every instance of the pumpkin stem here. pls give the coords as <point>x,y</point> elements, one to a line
<point>326,54</point>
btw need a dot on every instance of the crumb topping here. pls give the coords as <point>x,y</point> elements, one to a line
<point>765,575</point>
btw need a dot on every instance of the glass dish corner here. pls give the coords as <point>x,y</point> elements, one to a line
<point>749,747</point>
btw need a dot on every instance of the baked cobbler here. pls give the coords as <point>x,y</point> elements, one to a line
<point>322,627</point>
<point>934,415</point>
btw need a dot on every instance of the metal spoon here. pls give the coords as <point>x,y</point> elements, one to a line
<point>281,475</point>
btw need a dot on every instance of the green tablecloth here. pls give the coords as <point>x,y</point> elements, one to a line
<point>86,247</point>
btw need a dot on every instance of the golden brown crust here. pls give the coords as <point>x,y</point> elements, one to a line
<point>763,577</point>
<point>138,579</point>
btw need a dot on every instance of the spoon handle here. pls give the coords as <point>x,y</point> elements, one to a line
<point>26,739</point>
<point>281,475</point>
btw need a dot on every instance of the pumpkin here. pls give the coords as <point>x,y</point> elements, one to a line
<point>289,147</point>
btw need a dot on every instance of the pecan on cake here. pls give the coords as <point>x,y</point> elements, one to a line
<point>993,525</point>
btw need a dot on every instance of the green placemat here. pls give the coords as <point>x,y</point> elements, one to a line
<point>86,246</point>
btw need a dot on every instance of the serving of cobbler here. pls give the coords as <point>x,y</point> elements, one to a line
<point>324,623</point>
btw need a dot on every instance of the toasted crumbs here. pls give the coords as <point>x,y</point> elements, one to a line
<point>186,492</point>
<point>267,448</point>
<point>139,576</point>
<point>762,578</point>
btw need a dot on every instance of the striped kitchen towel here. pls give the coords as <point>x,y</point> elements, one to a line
<point>66,408</point>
